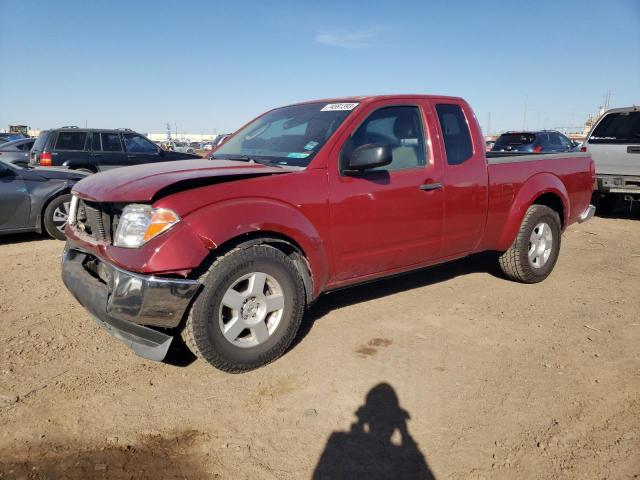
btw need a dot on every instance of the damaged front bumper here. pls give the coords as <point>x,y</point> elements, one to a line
<point>128,304</point>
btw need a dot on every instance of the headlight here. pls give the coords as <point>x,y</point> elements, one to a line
<point>140,223</point>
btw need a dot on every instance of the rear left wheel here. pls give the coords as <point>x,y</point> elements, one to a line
<point>249,310</point>
<point>56,215</point>
<point>534,252</point>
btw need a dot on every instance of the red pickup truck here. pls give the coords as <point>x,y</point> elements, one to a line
<point>305,199</point>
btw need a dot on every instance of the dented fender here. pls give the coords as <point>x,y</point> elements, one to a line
<point>230,219</point>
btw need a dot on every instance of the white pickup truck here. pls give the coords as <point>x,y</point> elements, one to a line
<point>614,145</point>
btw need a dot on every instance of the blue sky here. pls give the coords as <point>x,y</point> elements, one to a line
<point>207,65</point>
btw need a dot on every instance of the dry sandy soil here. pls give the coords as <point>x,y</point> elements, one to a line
<point>482,378</point>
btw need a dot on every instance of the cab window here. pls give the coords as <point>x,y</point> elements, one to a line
<point>455,132</point>
<point>400,128</point>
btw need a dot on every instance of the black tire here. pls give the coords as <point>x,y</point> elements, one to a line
<point>515,263</point>
<point>51,218</point>
<point>202,332</point>
<point>606,203</point>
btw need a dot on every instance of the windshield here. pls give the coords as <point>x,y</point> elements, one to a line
<point>286,136</point>
<point>515,139</point>
<point>623,127</point>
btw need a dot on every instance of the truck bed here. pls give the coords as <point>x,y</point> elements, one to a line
<point>516,179</point>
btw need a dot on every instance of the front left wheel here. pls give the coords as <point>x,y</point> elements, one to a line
<point>55,216</point>
<point>248,311</point>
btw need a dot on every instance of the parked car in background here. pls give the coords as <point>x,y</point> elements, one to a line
<point>17,151</point>
<point>95,150</point>
<point>306,199</point>
<point>534,142</point>
<point>182,147</point>
<point>8,137</point>
<point>35,199</point>
<point>614,144</point>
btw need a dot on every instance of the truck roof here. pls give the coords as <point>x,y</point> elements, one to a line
<point>365,99</point>
<point>633,108</point>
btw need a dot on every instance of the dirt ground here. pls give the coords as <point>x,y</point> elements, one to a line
<point>449,373</point>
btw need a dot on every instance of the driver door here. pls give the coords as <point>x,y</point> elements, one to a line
<point>15,201</point>
<point>391,217</point>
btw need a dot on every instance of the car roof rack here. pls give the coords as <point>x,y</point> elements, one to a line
<point>70,126</point>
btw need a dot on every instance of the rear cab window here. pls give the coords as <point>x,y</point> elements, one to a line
<point>617,127</point>
<point>71,141</point>
<point>455,133</point>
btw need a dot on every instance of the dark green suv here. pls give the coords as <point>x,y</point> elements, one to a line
<point>95,150</point>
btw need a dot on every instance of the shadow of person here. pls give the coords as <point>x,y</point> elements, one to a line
<point>378,446</point>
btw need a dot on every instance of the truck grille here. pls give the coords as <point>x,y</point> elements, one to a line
<point>93,220</point>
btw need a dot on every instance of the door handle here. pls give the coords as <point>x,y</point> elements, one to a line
<point>430,186</point>
<point>633,149</point>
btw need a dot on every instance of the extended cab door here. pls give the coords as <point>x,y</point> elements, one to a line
<point>390,217</point>
<point>465,177</point>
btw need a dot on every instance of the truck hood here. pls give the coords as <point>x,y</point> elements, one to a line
<point>144,183</point>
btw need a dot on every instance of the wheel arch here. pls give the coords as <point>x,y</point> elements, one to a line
<point>284,243</point>
<point>541,189</point>
<point>237,220</point>
<point>554,202</point>
<point>40,220</point>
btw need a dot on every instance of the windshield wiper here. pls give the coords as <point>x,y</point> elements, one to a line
<point>246,158</point>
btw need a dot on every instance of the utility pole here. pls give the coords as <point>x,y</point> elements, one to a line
<point>524,117</point>
<point>607,100</point>
<point>488,124</point>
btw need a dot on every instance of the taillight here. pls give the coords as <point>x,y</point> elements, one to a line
<point>45,159</point>
<point>583,149</point>
<point>537,148</point>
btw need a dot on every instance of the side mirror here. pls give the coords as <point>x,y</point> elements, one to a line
<point>368,156</point>
<point>161,152</point>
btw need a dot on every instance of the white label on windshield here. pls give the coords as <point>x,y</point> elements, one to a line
<point>332,107</point>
